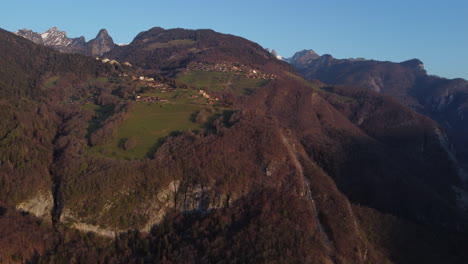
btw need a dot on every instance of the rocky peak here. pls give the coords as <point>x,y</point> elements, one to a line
<point>305,55</point>
<point>55,37</point>
<point>103,34</point>
<point>101,44</point>
<point>274,53</point>
<point>414,64</point>
<point>303,58</point>
<point>31,35</point>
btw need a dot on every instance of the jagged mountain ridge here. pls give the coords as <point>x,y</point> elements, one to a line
<point>31,35</point>
<point>59,40</point>
<point>302,58</point>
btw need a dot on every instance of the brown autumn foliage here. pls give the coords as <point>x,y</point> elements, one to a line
<point>23,237</point>
<point>277,176</point>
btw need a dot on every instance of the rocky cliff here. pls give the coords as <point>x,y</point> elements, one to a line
<point>59,40</point>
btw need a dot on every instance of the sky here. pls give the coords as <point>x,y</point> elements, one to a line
<point>436,32</point>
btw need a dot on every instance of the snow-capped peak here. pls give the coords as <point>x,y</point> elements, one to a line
<point>55,37</point>
<point>274,53</point>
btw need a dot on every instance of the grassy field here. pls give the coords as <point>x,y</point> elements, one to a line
<point>221,81</point>
<point>148,124</point>
<point>181,96</point>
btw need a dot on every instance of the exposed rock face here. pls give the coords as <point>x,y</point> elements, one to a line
<point>59,40</point>
<point>414,64</point>
<point>31,35</point>
<point>68,217</point>
<point>41,206</point>
<point>302,58</point>
<point>55,37</point>
<point>276,55</point>
<point>101,44</point>
<point>175,197</point>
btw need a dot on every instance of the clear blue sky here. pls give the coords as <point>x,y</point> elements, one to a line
<point>396,30</point>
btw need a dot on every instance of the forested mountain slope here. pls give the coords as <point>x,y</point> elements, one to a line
<point>257,168</point>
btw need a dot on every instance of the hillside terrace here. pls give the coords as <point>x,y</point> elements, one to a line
<point>150,99</point>
<point>233,67</point>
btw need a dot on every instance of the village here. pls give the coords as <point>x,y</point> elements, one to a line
<point>233,67</point>
<point>150,99</point>
<point>159,87</point>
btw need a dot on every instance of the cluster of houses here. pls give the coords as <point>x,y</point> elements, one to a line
<point>148,82</point>
<point>210,98</point>
<point>232,67</point>
<point>113,62</point>
<point>255,74</point>
<point>150,99</point>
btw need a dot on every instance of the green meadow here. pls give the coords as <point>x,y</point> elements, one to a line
<point>148,124</point>
<point>221,81</point>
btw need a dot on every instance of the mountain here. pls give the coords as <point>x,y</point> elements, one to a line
<point>443,100</point>
<point>111,163</point>
<point>58,40</point>
<point>276,55</point>
<point>31,35</point>
<point>55,37</point>
<point>100,45</point>
<point>303,58</point>
<point>173,50</point>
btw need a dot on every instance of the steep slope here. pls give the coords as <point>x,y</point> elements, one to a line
<point>395,79</point>
<point>272,176</point>
<point>100,45</point>
<point>441,99</point>
<point>29,120</point>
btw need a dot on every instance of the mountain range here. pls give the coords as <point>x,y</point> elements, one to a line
<point>208,148</point>
<point>441,99</point>
<point>57,39</point>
